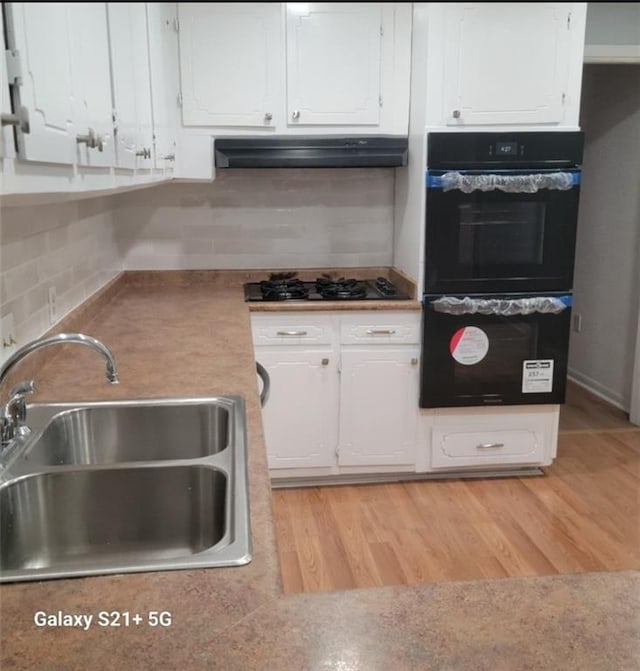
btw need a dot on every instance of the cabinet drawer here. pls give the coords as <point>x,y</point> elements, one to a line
<point>291,330</point>
<point>379,327</point>
<point>453,448</point>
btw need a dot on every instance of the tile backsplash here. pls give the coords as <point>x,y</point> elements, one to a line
<point>69,246</point>
<point>299,218</point>
<point>294,218</point>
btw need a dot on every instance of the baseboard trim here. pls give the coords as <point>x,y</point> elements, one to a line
<point>365,479</point>
<point>597,389</point>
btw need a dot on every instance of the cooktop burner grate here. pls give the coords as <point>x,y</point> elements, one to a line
<point>341,289</point>
<point>285,289</point>
<point>287,286</point>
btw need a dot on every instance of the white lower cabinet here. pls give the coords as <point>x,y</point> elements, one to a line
<point>301,417</point>
<point>477,438</point>
<point>344,390</point>
<point>378,399</point>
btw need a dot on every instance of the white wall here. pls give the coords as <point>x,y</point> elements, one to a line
<point>66,245</point>
<point>607,275</point>
<point>299,218</point>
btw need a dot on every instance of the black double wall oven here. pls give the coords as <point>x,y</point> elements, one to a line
<point>501,218</point>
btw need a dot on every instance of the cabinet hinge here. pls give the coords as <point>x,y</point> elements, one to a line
<point>381,29</point>
<point>337,453</point>
<point>380,101</point>
<point>176,24</point>
<point>564,98</point>
<point>14,66</point>
<point>179,98</point>
<point>569,21</point>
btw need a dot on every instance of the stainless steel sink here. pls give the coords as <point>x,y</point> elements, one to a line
<point>128,486</point>
<point>110,434</point>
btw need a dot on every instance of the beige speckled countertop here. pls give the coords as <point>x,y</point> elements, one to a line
<point>189,335</point>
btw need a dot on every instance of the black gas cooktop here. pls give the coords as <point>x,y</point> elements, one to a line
<point>286,287</point>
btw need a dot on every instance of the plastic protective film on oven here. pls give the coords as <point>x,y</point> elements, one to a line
<point>508,183</point>
<point>500,306</point>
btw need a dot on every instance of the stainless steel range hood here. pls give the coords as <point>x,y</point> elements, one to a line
<point>311,152</point>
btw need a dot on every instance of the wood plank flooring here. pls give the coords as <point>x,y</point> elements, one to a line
<point>583,515</point>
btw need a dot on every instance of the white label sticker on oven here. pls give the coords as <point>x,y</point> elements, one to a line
<point>537,376</point>
<point>469,345</point>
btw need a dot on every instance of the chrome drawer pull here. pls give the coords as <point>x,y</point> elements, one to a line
<point>292,333</point>
<point>486,446</point>
<point>380,331</point>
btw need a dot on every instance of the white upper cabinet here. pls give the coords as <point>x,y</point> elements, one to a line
<point>63,57</point>
<point>303,68</point>
<point>334,63</point>
<point>133,133</point>
<point>230,60</point>
<point>5,103</point>
<point>90,77</point>
<point>510,63</point>
<point>165,82</point>
<point>45,74</point>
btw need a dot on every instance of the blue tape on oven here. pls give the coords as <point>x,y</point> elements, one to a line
<point>435,181</point>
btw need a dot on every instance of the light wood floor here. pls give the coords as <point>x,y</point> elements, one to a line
<point>583,515</point>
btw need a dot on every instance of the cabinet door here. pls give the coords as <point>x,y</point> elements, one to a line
<point>34,29</point>
<point>333,63</point>
<point>130,84</point>
<point>230,59</point>
<point>300,417</point>
<point>506,63</point>
<point>5,102</point>
<point>165,83</point>
<point>90,76</point>
<point>378,406</point>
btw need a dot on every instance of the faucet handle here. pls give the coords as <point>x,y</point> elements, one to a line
<point>22,388</point>
<point>15,410</point>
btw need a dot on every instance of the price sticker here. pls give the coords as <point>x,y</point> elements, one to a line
<point>537,376</point>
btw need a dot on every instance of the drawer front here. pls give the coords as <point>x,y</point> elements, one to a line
<point>379,327</point>
<point>291,330</point>
<point>453,449</point>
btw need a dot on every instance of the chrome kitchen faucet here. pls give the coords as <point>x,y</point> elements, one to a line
<point>13,420</point>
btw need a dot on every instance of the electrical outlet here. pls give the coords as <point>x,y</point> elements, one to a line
<point>53,310</point>
<point>8,333</point>
<point>577,323</point>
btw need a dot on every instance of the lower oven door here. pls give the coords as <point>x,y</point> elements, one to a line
<point>494,349</point>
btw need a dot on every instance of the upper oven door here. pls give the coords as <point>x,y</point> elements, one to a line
<point>500,231</point>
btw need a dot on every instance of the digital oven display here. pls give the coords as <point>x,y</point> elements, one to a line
<point>506,149</point>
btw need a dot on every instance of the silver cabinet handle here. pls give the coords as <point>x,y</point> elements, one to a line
<point>487,446</point>
<point>456,114</point>
<point>268,116</point>
<point>414,361</point>
<point>380,331</point>
<point>145,152</point>
<point>266,383</point>
<point>291,333</point>
<point>19,119</point>
<point>91,139</point>
<point>168,157</point>
<point>325,362</point>
<point>295,114</point>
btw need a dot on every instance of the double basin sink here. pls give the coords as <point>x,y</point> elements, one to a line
<point>119,487</point>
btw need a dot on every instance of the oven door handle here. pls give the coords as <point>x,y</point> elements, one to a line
<point>503,180</point>
<point>503,307</point>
